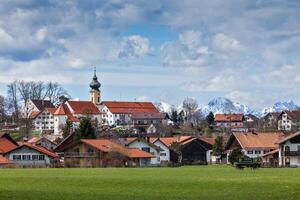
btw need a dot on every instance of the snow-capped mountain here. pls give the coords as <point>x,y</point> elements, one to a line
<point>165,107</point>
<point>224,105</point>
<point>280,106</point>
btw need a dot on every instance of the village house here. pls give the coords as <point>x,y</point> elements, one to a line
<point>147,146</point>
<point>187,149</point>
<point>253,144</point>
<point>270,120</point>
<point>103,153</point>
<point>72,111</point>
<point>164,154</point>
<point>41,113</point>
<point>28,155</point>
<point>44,142</point>
<point>120,113</point>
<point>229,121</point>
<point>289,151</point>
<point>289,121</point>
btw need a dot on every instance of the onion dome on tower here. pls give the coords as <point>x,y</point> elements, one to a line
<point>95,85</point>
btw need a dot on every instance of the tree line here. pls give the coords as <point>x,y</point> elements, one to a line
<point>20,91</point>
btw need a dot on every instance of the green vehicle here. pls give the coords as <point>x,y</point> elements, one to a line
<point>253,163</point>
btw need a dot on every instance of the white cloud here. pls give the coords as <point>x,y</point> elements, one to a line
<point>135,46</point>
<point>226,43</point>
<point>5,38</point>
<point>41,34</point>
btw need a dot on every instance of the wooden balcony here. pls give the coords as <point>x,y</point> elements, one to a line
<point>80,155</point>
<point>292,153</point>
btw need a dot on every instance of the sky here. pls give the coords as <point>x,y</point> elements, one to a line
<point>245,50</point>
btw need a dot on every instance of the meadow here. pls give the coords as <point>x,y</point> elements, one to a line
<point>197,182</point>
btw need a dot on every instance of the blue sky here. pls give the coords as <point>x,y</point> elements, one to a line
<point>156,50</point>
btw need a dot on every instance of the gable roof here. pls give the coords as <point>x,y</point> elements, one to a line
<point>83,107</point>
<point>274,114</point>
<point>283,140</point>
<point>62,110</point>
<point>132,140</point>
<point>106,146</point>
<point>294,115</point>
<point>40,149</point>
<point>168,141</point>
<point>6,143</point>
<point>229,117</point>
<point>263,140</point>
<point>42,104</point>
<point>122,107</point>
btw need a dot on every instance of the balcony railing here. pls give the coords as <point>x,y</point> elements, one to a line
<point>80,155</point>
<point>292,153</point>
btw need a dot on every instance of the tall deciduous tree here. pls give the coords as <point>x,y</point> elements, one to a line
<point>2,109</point>
<point>13,104</point>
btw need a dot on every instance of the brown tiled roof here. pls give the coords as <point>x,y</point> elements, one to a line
<point>169,140</point>
<point>275,114</point>
<point>121,107</point>
<point>288,137</point>
<point>263,140</point>
<point>229,117</point>
<point>51,110</point>
<point>148,116</point>
<point>42,104</point>
<point>109,146</point>
<point>208,140</point>
<point>293,114</point>
<point>83,107</point>
<point>34,114</point>
<point>271,152</point>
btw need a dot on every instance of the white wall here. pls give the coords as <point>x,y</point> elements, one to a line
<point>142,144</point>
<point>165,150</point>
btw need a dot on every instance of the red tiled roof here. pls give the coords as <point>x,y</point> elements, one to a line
<point>229,117</point>
<point>6,143</point>
<point>71,118</point>
<point>271,152</point>
<point>34,114</point>
<point>137,153</point>
<point>109,146</point>
<point>83,107</point>
<point>263,140</point>
<point>169,140</point>
<point>51,110</point>
<point>4,161</point>
<point>208,140</point>
<point>62,110</point>
<point>130,107</point>
<point>42,104</point>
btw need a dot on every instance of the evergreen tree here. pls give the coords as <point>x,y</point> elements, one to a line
<point>218,146</point>
<point>67,129</point>
<point>86,129</point>
<point>235,156</point>
<point>174,116</point>
<point>210,118</point>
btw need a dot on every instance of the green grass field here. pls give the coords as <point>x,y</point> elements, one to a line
<point>199,182</point>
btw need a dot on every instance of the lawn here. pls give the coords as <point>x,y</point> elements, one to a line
<point>198,182</point>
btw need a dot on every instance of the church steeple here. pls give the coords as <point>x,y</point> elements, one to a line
<point>95,92</point>
<point>95,85</point>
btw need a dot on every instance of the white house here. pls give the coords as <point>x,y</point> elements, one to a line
<point>289,151</point>
<point>41,113</point>
<point>147,146</point>
<point>253,144</point>
<point>120,112</point>
<point>289,120</point>
<point>74,110</point>
<point>164,153</point>
<point>28,155</point>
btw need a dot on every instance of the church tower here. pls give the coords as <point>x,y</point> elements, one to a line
<point>95,93</point>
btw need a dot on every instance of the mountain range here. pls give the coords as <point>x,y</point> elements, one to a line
<point>225,105</point>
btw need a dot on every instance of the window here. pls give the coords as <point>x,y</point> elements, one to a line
<point>16,157</point>
<point>90,150</point>
<point>249,152</point>
<point>147,149</point>
<point>26,157</point>
<point>298,160</point>
<point>299,148</point>
<point>163,154</point>
<point>257,152</point>
<point>41,157</point>
<point>35,157</point>
<point>287,148</point>
<point>266,151</point>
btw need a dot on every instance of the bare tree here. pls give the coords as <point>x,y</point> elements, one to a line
<point>190,106</point>
<point>13,100</point>
<point>54,92</point>
<point>2,109</point>
<point>24,89</point>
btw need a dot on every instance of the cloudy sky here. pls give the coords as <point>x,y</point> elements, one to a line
<point>247,50</point>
